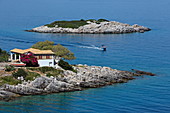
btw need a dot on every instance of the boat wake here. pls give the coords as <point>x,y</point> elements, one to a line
<point>91,47</point>
<point>81,45</point>
<point>77,44</point>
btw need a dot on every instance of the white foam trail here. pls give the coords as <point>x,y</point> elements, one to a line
<point>91,47</point>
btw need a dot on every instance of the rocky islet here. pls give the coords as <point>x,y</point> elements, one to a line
<point>106,27</point>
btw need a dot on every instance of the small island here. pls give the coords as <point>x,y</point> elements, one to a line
<point>91,26</point>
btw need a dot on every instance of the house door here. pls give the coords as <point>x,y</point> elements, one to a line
<point>50,64</point>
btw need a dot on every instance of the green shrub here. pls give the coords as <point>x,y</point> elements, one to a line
<point>68,24</point>
<point>74,23</point>
<point>9,80</point>
<point>47,70</point>
<point>31,76</point>
<point>3,56</point>
<point>91,20</point>
<point>9,68</point>
<point>102,20</point>
<point>66,65</point>
<point>20,72</point>
<point>55,73</point>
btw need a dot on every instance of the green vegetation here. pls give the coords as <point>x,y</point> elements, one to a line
<point>67,24</point>
<point>49,71</point>
<point>25,74</point>
<point>9,80</point>
<point>59,50</point>
<point>74,23</point>
<point>66,66</point>
<point>46,45</point>
<point>3,56</point>
<point>31,76</point>
<point>9,68</point>
<point>63,52</point>
<point>42,69</point>
<point>54,73</point>
<point>20,72</point>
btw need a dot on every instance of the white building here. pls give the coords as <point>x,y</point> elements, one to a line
<point>44,57</point>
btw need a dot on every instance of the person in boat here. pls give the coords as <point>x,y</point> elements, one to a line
<point>103,47</point>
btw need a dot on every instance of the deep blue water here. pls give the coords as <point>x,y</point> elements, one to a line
<point>148,51</point>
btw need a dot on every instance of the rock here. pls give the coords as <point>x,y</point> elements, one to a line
<point>41,82</point>
<point>6,95</point>
<point>143,72</point>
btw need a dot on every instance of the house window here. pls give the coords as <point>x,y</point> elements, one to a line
<point>47,57</point>
<point>40,57</point>
<point>50,63</point>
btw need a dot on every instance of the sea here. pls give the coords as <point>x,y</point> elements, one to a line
<point>149,51</point>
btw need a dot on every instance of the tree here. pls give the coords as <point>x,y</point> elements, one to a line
<point>63,52</point>
<point>3,56</point>
<point>59,50</point>
<point>46,45</point>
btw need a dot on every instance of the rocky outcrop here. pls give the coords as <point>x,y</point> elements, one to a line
<point>110,27</point>
<point>6,95</point>
<point>86,77</point>
<point>143,72</point>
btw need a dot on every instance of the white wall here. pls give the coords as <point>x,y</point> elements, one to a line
<point>46,62</point>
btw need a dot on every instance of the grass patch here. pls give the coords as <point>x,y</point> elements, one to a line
<point>20,72</point>
<point>74,23</point>
<point>9,80</point>
<point>43,69</point>
<point>54,73</point>
<point>49,71</point>
<point>31,76</point>
<point>67,24</point>
<point>9,68</point>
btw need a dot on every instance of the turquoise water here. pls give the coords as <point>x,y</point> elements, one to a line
<point>147,51</point>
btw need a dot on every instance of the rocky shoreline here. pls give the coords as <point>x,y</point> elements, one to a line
<point>110,27</point>
<point>86,77</point>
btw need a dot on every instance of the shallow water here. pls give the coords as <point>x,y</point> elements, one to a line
<point>144,51</point>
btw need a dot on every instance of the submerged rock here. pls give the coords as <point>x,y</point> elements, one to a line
<point>143,72</point>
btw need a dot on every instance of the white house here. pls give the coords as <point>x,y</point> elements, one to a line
<point>44,57</point>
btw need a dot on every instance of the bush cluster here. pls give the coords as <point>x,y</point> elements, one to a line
<point>65,65</point>
<point>54,73</point>
<point>9,68</point>
<point>68,24</point>
<point>42,69</point>
<point>25,74</point>
<point>9,80</point>
<point>49,71</point>
<point>20,72</point>
<point>74,23</point>
<point>32,76</point>
<point>3,56</point>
